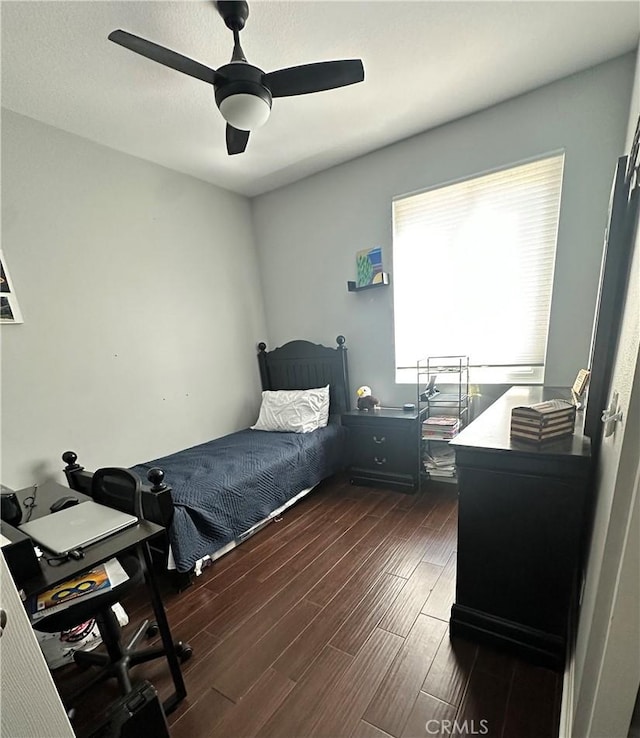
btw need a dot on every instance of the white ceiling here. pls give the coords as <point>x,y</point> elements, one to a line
<point>426,63</point>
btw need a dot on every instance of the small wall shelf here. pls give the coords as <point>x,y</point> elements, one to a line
<point>351,286</point>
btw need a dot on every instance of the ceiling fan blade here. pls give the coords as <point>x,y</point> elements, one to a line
<point>314,77</point>
<point>236,140</point>
<point>164,56</point>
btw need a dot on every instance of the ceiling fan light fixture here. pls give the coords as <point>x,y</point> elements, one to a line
<point>245,110</point>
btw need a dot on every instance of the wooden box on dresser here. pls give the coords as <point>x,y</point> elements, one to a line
<point>522,512</point>
<point>384,447</point>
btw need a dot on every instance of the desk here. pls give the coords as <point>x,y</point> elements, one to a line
<point>137,536</point>
<point>522,514</point>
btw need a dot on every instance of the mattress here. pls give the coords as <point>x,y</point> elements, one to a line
<point>223,487</point>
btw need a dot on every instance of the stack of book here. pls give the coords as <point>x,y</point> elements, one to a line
<point>543,421</point>
<point>440,461</point>
<point>440,427</point>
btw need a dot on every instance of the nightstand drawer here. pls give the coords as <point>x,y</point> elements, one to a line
<point>385,450</point>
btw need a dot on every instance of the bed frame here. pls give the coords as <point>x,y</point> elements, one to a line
<point>295,365</point>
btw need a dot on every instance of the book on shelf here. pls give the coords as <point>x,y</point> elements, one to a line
<point>440,428</point>
<point>443,435</point>
<point>441,455</point>
<point>86,585</point>
<point>440,461</point>
<point>444,469</point>
<point>447,421</point>
<point>440,472</point>
<point>440,469</point>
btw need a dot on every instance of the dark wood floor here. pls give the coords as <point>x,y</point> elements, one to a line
<point>334,622</point>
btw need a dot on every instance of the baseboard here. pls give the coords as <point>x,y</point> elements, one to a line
<point>565,729</point>
<point>530,644</point>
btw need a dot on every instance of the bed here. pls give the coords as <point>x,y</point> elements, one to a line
<point>215,495</point>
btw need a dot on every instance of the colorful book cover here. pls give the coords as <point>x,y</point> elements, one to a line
<point>89,581</point>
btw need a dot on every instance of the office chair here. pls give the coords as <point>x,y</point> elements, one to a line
<point>121,489</point>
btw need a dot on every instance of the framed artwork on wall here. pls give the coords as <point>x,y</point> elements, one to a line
<point>9,308</point>
<point>369,267</point>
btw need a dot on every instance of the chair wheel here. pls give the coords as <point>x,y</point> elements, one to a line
<point>152,629</point>
<point>184,651</point>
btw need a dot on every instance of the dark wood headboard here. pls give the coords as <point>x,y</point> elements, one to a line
<point>304,365</point>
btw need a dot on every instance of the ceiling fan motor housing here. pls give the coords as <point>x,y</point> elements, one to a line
<point>234,13</point>
<point>240,78</point>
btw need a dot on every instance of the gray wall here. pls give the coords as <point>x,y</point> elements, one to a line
<point>141,292</point>
<point>141,300</point>
<point>308,232</point>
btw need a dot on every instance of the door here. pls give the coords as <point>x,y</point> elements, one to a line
<point>614,279</point>
<point>31,706</point>
<point>607,661</point>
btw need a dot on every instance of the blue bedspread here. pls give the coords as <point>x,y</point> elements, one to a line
<point>223,487</point>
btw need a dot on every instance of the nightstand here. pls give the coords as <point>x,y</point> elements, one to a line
<point>384,447</point>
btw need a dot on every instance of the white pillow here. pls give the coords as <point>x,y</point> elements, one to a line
<point>297,411</point>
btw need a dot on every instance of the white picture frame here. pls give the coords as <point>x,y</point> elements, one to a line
<point>9,308</point>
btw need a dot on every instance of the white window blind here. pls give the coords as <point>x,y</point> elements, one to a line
<point>473,272</point>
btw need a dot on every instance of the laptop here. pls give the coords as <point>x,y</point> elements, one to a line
<point>77,526</point>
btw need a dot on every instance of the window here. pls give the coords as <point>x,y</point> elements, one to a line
<point>473,272</point>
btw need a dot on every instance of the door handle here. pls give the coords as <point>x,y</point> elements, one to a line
<point>378,461</point>
<point>611,415</point>
<point>3,621</point>
<point>382,439</point>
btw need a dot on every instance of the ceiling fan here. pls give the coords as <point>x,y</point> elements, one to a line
<point>244,92</point>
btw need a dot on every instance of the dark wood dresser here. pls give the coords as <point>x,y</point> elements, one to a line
<point>384,447</point>
<point>522,516</point>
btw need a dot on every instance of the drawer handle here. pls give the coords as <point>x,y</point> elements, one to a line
<point>378,461</point>
<point>382,439</point>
